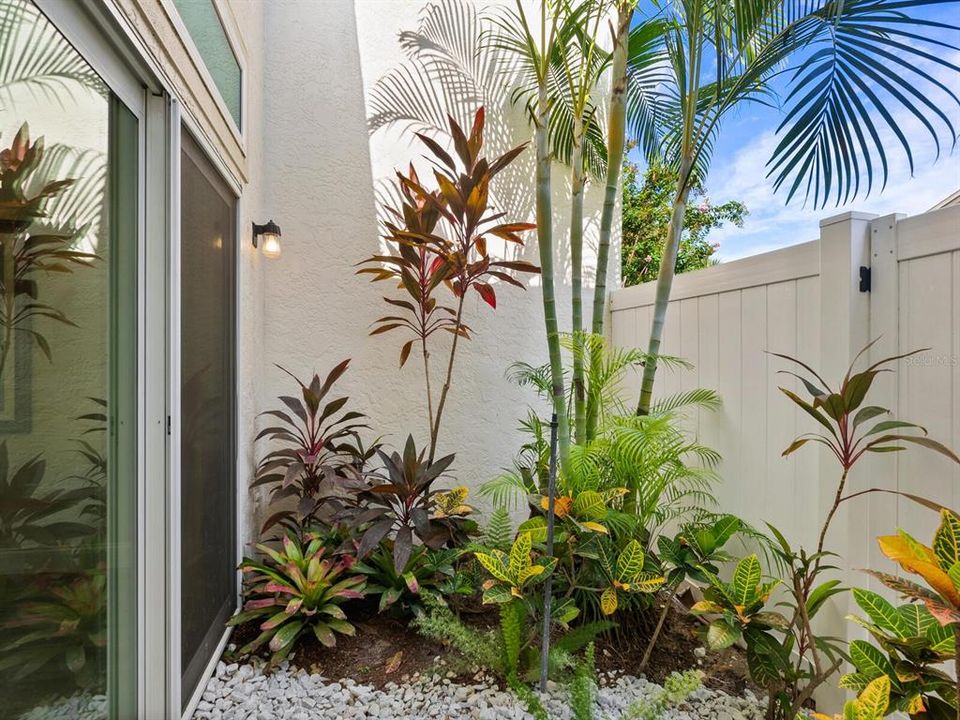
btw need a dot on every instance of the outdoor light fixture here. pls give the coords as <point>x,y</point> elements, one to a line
<point>269,234</point>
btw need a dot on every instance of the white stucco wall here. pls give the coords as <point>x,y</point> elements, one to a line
<point>321,168</point>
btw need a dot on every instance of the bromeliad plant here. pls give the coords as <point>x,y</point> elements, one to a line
<point>440,237</point>
<point>321,457</point>
<point>297,590</point>
<point>61,624</point>
<point>425,579</point>
<point>917,637</point>
<point>402,504</point>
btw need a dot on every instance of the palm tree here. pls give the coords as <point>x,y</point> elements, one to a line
<point>534,49</point>
<point>850,67</point>
<point>637,63</point>
<point>558,77</point>
<point>577,139</point>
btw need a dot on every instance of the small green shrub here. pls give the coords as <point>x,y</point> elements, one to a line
<point>583,686</point>
<point>481,648</point>
<point>676,688</point>
<point>422,579</point>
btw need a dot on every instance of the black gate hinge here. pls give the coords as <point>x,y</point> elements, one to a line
<point>864,278</point>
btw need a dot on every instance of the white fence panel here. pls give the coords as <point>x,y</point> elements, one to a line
<point>805,301</point>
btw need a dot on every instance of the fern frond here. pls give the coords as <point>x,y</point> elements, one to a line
<point>499,531</point>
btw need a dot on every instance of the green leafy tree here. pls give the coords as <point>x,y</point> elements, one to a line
<point>647,206</point>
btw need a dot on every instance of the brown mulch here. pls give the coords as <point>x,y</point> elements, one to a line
<point>386,650</point>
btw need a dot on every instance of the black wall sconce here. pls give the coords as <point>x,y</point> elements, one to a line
<point>269,235</point>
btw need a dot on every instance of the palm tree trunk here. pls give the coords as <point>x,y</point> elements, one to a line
<point>668,266</point>
<point>576,260</point>
<point>616,139</point>
<point>545,244</point>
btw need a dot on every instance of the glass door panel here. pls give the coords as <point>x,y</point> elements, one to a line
<point>68,380</point>
<point>207,486</point>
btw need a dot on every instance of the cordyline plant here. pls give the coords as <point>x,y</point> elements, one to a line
<point>440,238</point>
<point>296,590</point>
<point>792,666</point>
<point>845,418</point>
<point>24,255</point>
<point>403,503</point>
<point>320,459</point>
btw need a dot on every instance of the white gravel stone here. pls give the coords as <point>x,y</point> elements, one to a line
<point>247,692</point>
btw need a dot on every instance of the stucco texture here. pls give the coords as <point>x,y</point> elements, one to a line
<point>325,160</point>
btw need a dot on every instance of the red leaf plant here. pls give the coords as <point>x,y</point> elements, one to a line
<point>439,238</point>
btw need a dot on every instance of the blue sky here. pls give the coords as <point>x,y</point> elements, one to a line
<point>748,138</point>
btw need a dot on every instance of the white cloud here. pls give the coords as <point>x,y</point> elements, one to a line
<point>771,224</point>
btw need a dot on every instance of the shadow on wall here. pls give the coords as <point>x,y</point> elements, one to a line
<point>447,66</point>
<point>450,71</point>
<point>318,185</point>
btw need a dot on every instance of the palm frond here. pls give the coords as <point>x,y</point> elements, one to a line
<point>698,398</point>
<point>37,59</point>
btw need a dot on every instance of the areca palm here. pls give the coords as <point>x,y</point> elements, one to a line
<point>560,65</point>
<point>534,49</point>
<point>852,69</point>
<point>581,62</point>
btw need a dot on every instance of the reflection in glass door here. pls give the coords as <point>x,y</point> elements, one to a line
<point>68,380</point>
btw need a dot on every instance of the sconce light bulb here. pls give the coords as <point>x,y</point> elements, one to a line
<point>271,245</point>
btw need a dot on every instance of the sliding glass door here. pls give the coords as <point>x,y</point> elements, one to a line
<point>207,485</point>
<point>69,199</point>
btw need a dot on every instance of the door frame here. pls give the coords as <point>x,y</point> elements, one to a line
<point>181,122</point>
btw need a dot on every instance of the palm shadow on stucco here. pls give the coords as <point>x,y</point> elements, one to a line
<point>451,70</point>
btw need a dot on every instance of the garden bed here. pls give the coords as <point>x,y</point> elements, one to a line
<point>388,670</point>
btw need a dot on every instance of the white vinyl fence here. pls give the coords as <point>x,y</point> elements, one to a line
<point>806,301</point>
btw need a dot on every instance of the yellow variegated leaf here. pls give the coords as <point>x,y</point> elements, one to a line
<point>915,705</point>
<point>614,494</point>
<point>921,561</point>
<point>647,582</point>
<point>873,702</point>
<point>609,601</point>
<point>705,606</point>
<point>903,547</point>
<point>519,555</point>
<point>595,527</point>
<point>589,505</point>
<point>493,565</point>
<point>946,541</point>
<point>452,502</point>
<point>536,527</point>
<point>630,562</point>
<point>515,591</point>
<point>530,572</point>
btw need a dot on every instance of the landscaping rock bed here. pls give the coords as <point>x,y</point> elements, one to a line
<point>248,692</point>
